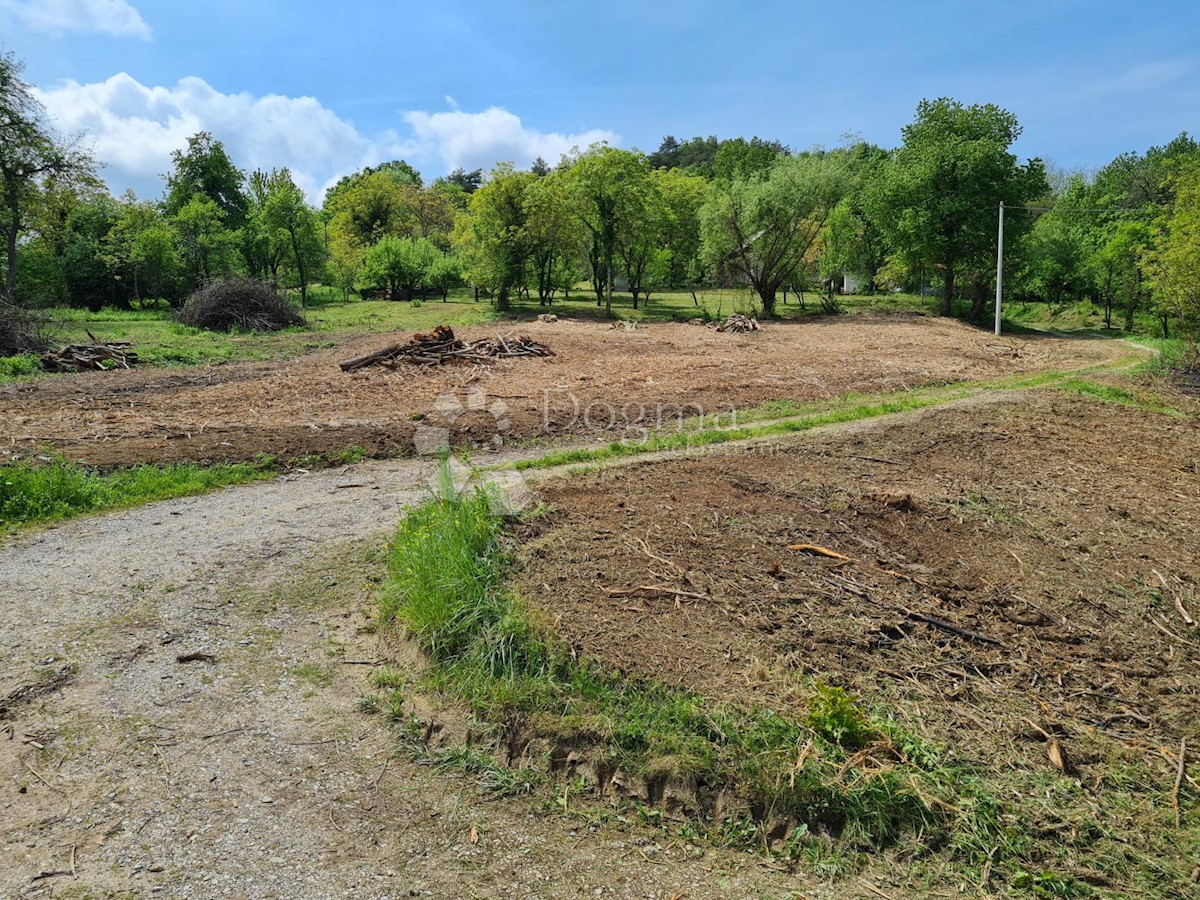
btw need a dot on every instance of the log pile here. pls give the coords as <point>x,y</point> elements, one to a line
<point>739,324</point>
<point>441,346</point>
<point>102,356</point>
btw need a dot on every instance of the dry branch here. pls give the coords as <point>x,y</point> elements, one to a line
<point>817,550</point>
<point>441,346</point>
<point>102,356</point>
<point>739,324</point>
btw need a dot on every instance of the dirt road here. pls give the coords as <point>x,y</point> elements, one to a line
<point>181,682</point>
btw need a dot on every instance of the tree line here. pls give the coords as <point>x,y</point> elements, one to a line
<point>605,220</point>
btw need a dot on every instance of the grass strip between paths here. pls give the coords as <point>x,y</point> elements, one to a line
<point>789,417</point>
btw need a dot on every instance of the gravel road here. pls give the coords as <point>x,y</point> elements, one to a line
<point>178,693</point>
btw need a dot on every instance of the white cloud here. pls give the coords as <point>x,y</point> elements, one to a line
<point>477,140</point>
<point>134,128</point>
<point>1141,78</point>
<point>114,17</point>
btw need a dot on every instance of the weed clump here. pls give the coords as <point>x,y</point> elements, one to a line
<point>240,304</point>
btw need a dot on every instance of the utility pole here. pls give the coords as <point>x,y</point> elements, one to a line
<point>999,266</point>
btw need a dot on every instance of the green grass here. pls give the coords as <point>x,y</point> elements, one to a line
<point>15,368</point>
<point>159,340</point>
<point>867,794</point>
<point>446,585</point>
<point>39,492</point>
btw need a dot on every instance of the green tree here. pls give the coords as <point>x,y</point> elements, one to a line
<point>397,171</point>
<point>446,272</point>
<point>400,264</point>
<point>606,189</point>
<point>208,248</point>
<point>141,249</point>
<point>493,237</point>
<point>1175,260</point>
<point>204,169</point>
<point>263,244</point>
<point>552,231</point>
<point>286,212</point>
<point>1122,259</point>
<point>741,158</point>
<point>90,279</point>
<point>937,200</point>
<point>30,156</point>
<point>372,206</point>
<point>470,182</point>
<point>683,196</point>
<point>762,229</point>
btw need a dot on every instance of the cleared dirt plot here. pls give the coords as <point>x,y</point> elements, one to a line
<point>1015,579</point>
<point>600,382</point>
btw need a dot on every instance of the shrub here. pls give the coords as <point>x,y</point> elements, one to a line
<point>22,331</point>
<point>239,304</point>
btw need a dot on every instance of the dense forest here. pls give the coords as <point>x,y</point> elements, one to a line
<point>921,216</point>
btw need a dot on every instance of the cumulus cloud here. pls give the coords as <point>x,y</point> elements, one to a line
<point>476,140</point>
<point>133,128</point>
<point>114,17</point>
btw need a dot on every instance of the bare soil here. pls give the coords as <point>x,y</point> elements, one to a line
<point>1057,535</point>
<point>601,383</point>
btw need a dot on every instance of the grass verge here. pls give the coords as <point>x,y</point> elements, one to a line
<point>826,787</point>
<point>47,491</point>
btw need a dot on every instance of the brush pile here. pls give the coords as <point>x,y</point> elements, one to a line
<point>441,346</point>
<point>23,330</point>
<point>739,324</point>
<point>239,304</point>
<point>101,356</point>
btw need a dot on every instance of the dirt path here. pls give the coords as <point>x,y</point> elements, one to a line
<point>248,772</point>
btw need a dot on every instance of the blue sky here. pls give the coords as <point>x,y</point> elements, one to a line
<point>327,87</point>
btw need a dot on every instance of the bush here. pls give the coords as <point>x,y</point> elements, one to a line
<point>22,331</point>
<point>239,304</point>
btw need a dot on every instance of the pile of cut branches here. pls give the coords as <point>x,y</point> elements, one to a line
<point>239,304</point>
<point>23,330</point>
<point>1186,373</point>
<point>441,346</point>
<point>739,324</point>
<point>98,355</point>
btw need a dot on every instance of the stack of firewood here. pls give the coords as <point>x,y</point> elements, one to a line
<point>102,356</point>
<point>441,346</point>
<point>739,323</point>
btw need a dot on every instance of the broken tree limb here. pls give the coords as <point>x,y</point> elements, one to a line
<point>99,355</point>
<point>952,628</point>
<point>653,589</point>
<point>817,551</point>
<point>1179,779</point>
